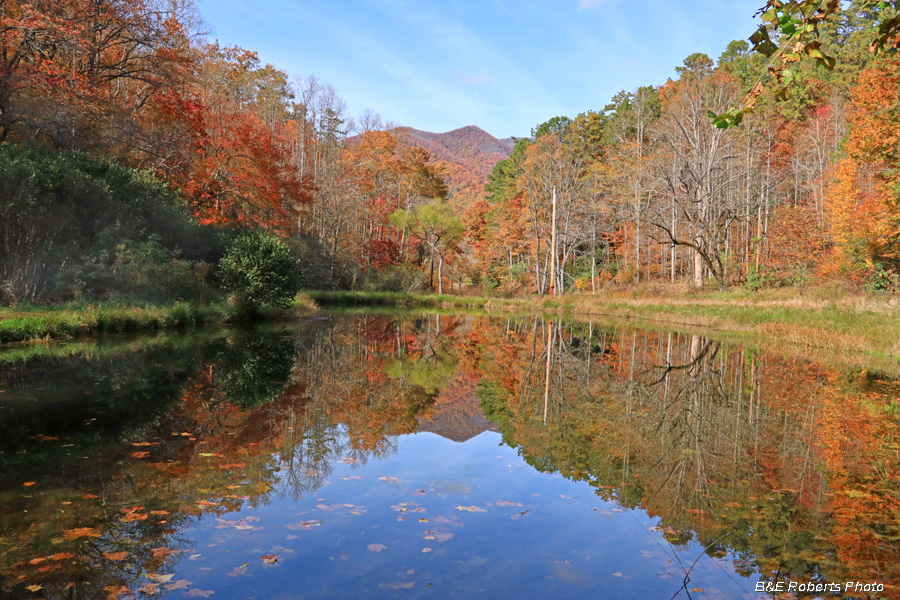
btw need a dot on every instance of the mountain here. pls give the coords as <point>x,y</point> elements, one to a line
<point>467,155</point>
<point>457,413</point>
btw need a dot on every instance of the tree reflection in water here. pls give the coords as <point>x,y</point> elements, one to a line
<point>789,465</point>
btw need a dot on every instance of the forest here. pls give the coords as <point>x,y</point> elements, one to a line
<point>141,162</point>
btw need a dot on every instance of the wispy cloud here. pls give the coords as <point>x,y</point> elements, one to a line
<point>470,79</point>
<point>588,4</point>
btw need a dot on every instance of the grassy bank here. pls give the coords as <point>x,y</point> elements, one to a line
<point>44,323</point>
<point>820,319</point>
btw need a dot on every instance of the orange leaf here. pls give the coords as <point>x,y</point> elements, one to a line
<point>162,552</point>
<point>116,555</point>
<point>28,483</point>
<point>74,534</point>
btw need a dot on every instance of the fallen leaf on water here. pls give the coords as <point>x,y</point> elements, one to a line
<point>150,589</point>
<point>140,454</point>
<point>397,585</point>
<point>115,591</point>
<point>206,503</point>
<point>90,496</point>
<point>162,578</point>
<point>181,584</point>
<point>198,593</point>
<point>60,556</point>
<point>305,525</point>
<point>441,536</point>
<point>376,547</point>
<point>135,516</point>
<point>162,552</point>
<point>28,483</point>
<point>34,588</point>
<point>475,561</point>
<point>471,508</point>
<point>36,561</point>
<point>270,558</point>
<point>423,520</point>
<point>237,571</point>
<point>507,503</point>
<point>389,478</point>
<point>697,589</point>
<point>74,534</point>
<point>426,549</point>
<point>116,555</point>
<point>159,512</point>
<point>145,444</point>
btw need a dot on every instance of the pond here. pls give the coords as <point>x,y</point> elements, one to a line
<point>363,455</point>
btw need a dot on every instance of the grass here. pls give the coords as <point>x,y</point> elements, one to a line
<point>44,323</point>
<point>821,319</point>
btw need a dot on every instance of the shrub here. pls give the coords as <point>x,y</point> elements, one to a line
<point>259,270</point>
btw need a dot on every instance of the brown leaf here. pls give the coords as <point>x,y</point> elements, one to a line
<point>116,555</point>
<point>134,517</point>
<point>74,534</point>
<point>270,558</point>
<point>162,552</point>
<point>376,547</point>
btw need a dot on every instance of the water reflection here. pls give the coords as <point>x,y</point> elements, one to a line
<point>115,461</point>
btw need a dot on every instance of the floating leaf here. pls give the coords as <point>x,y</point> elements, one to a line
<point>270,558</point>
<point>116,556</point>
<point>305,525</point>
<point>74,534</point>
<point>34,588</point>
<point>135,516</point>
<point>237,571</point>
<point>28,483</point>
<point>376,547</point>
<point>398,585</point>
<point>181,584</point>
<point>198,593</point>
<point>162,552</point>
<point>471,508</point>
<point>140,454</point>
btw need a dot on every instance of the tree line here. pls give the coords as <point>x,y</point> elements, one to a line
<point>658,185</point>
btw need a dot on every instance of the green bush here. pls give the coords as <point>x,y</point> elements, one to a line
<point>80,227</point>
<point>259,270</point>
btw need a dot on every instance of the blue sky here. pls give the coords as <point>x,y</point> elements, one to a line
<point>504,65</point>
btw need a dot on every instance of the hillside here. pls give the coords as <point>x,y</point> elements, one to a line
<point>467,155</point>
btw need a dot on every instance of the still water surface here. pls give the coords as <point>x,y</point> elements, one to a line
<point>425,456</point>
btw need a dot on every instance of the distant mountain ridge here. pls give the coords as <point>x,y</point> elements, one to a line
<point>467,154</point>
